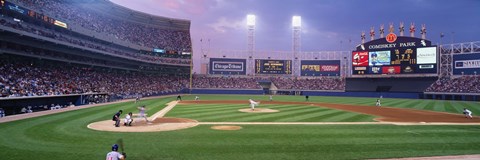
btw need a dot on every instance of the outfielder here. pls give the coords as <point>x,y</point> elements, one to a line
<point>467,113</point>
<point>114,155</point>
<point>253,104</point>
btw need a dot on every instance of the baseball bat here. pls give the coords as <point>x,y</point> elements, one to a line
<point>120,144</point>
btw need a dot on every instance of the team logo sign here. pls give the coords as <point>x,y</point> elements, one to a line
<point>392,37</point>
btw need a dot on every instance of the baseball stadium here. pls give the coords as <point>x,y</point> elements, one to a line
<point>96,79</point>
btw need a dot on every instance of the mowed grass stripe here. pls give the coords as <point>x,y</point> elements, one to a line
<point>421,105</point>
<point>449,107</point>
<point>341,117</point>
<point>325,116</point>
<point>235,114</point>
<point>359,118</point>
<point>201,114</point>
<point>195,109</point>
<point>300,116</point>
<point>273,116</point>
<point>241,115</point>
<point>397,103</point>
<point>432,105</point>
<point>439,107</point>
<point>223,109</point>
<point>409,104</point>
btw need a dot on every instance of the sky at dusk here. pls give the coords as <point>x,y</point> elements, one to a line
<point>326,24</point>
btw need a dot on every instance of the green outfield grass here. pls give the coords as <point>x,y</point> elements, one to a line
<point>65,135</point>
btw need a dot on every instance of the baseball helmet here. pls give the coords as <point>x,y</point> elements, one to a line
<point>115,147</point>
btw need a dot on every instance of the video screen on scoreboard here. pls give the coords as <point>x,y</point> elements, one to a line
<point>379,58</point>
<point>407,55</point>
<point>264,66</point>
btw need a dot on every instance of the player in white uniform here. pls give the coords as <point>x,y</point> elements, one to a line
<point>467,112</point>
<point>114,155</point>
<point>253,104</point>
<point>271,98</point>
<point>378,104</point>
<point>128,119</point>
<point>141,113</point>
<point>197,98</point>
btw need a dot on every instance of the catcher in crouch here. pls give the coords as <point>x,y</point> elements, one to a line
<point>253,104</point>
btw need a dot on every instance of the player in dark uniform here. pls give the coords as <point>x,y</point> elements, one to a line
<point>116,118</point>
<point>137,99</point>
<point>306,98</point>
<point>179,98</point>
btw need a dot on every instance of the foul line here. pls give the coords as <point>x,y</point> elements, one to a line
<point>328,123</point>
<point>164,111</point>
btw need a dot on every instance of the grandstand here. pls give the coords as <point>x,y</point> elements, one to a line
<point>73,52</point>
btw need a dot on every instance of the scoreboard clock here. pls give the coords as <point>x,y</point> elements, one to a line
<point>264,66</point>
<point>395,55</point>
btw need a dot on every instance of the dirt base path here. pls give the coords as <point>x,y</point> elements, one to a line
<point>385,114</point>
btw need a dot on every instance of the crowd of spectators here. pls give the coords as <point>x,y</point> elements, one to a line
<point>88,44</point>
<point>463,84</point>
<point>282,83</point>
<point>226,82</point>
<point>317,83</point>
<point>22,79</point>
<point>123,29</point>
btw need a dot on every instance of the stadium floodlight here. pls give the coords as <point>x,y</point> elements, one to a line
<point>250,20</point>
<point>297,21</point>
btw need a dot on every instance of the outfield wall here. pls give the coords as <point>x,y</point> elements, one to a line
<point>412,95</point>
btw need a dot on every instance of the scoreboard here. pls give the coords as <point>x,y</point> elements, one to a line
<point>403,56</point>
<point>264,66</point>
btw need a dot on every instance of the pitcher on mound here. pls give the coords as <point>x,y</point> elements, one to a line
<point>253,104</point>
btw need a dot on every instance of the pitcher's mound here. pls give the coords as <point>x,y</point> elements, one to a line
<point>159,124</point>
<point>227,128</point>
<point>258,110</point>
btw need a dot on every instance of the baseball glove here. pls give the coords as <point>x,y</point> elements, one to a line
<point>124,155</point>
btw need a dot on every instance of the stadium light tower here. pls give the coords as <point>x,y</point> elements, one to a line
<point>297,30</point>
<point>251,41</point>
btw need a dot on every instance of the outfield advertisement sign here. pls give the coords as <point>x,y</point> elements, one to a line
<point>227,66</point>
<point>320,68</point>
<point>466,63</point>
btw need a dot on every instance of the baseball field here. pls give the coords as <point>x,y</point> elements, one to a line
<point>322,128</point>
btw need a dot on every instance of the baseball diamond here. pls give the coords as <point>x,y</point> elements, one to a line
<point>239,80</point>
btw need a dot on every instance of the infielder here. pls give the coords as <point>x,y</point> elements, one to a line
<point>197,98</point>
<point>128,119</point>
<point>114,155</point>
<point>141,113</point>
<point>378,104</point>
<point>253,104</point>
<point>468,113</point>
<point>271,98</point>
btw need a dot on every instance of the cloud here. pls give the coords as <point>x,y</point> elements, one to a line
<point>223,24</point>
